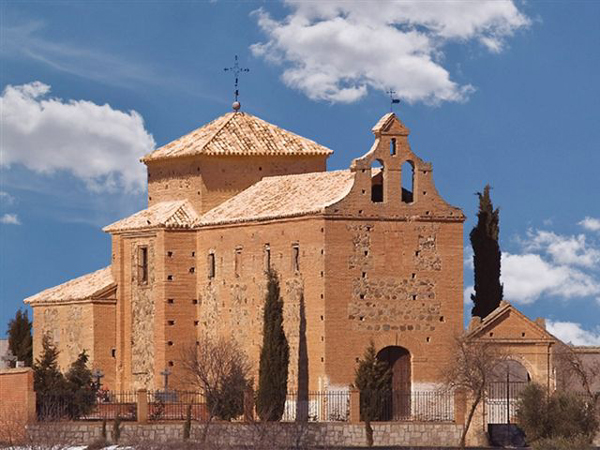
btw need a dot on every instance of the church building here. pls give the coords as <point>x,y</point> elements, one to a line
<point>370,253</point>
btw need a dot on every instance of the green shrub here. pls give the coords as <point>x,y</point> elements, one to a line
<point>559,417</point>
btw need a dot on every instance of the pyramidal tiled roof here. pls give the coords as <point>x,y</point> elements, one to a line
<point>172,214</point>
<point>283,196</point>
<point>239,134</point>
<point>81,288</point>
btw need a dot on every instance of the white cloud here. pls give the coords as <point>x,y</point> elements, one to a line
<point>10,219</point>
<point>6,198</point>
<point>467,295</point>
<point>590,223</point>
<point>528,277</point>
<point>95,143</point>
<point>336,51</point>
<point>571,332</point>
<point>566,250</point>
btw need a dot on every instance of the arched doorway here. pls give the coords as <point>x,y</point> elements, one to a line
<point>398,359</point>
<point>505,385</point>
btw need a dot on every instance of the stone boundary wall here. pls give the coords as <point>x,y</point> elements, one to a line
<point>259,435</point>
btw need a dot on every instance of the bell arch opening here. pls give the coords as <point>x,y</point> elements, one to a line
<point>377,174</point>
<point>407,177</point>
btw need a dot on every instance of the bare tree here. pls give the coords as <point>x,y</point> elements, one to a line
<point>220,371</point>
<point>470,370</point>
<point>579,371</point>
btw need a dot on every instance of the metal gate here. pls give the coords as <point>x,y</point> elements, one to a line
<point>501,401</point>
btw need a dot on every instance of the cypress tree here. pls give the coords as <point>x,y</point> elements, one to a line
<point>486,257</point>
<point>373,378</point>
<point>49,383</point>
<point>274,356</point>
<point>81,387</point>
<point>19,338</point>
<point>47,378</point>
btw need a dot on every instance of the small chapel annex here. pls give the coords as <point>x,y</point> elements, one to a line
<point>359,258</point>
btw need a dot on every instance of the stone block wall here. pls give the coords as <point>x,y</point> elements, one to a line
<point>259,435</point>
<point>88,325</point>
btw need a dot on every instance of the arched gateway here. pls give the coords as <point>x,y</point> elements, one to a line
<point>398,359</point>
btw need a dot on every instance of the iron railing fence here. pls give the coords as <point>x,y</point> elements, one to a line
<point>402,406</point>
<point>317,406</point>
<point>176,405</point>
<point>97,406</point>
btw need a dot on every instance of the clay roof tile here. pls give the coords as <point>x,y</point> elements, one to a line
<point>239,134</point>
<point>81,288</point>
<point>283,196</point>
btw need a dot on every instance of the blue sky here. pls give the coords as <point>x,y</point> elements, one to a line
<point>498,92</point>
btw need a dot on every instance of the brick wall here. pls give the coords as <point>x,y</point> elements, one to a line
<point>17,403</point>
<point>207,181</point>
<point>378,289</point>
<point>231,303</point>
<point>176,306</point>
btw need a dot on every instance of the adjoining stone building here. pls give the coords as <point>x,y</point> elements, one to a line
<point>368,253</point>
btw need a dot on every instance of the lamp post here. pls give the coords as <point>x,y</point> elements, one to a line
<point>508,440</point>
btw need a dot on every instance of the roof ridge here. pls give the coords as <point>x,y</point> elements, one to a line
<point>304,174</point>
<point>225,123</point>
<point>160,214</point>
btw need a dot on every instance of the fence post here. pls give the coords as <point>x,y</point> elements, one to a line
<point>354,406</point>
<point>249,405</point>
<point>142,406</point>
<point>460,406</point>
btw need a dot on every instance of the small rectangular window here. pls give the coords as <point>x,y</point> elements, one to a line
<point>211,265</point>
<point>295,257</point>
<point>238,261</point>
<point>267,257</point>
<point>143,265</point>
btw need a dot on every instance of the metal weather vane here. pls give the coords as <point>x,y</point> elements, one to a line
<point>393,100</point>
<point>237,70</point>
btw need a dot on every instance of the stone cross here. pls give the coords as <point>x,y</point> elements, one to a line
<point>9,357</point>
<point>97,374</point>
<point>165,373</point>
<point>236,69</point>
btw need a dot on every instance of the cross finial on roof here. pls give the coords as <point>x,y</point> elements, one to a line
<point>236,69</point>
<point>393,100</point>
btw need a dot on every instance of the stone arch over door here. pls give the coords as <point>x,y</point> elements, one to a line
<point>399,360</point>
